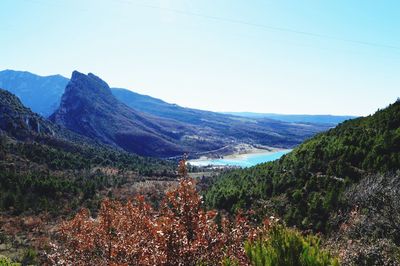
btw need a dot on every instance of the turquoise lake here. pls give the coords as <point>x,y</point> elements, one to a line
<point>245,161</point>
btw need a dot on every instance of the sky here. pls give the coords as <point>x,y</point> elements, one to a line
<point>292,57</point>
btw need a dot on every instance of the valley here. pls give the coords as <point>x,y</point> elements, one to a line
<point>95,153</point>
<point>199,133</point>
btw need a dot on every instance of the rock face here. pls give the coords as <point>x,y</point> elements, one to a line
<point>19,121</point>
<point>89,108</point>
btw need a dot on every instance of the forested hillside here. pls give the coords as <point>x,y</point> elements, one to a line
<point>42,164</point>
<point>305,186</point>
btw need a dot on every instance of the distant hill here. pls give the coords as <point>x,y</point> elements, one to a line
<point>161,108</point>
<point>40,93</point>
<point>158,107</point>
<point>321,119</point>
<point>43,94</point>
<point>306,186</point>
<point>263,131</point>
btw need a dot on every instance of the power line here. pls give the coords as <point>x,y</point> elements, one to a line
<point>242,22</point>
<point>262,26</point>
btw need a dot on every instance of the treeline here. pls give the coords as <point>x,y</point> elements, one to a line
<point>60,155</point>
<point>306,185</point>
<point>42,176</point>
<point>40,192</point>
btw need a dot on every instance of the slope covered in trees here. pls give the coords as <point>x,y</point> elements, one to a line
<point>43,165</point>
<point>306,186</point>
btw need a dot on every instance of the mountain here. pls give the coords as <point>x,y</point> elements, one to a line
<point>41,93</point>
<point>161,108</point>
<point>261,131</point>
<point>179,129</point>
<point>307,186</point>
<point>20,122</point>
<point>319,119</point>
<point>44,166</point>
<point>88,107</point>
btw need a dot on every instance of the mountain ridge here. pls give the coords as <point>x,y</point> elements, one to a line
<point>172,129</point>
<point>142,102</point>
<point>41,93</point>
<point>89,108</point>
<point>326,118</point>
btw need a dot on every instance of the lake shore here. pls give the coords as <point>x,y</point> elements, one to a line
<point>252,151</point>
<point>241,157</point>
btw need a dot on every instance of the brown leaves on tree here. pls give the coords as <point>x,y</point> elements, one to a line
<point>180,232</point>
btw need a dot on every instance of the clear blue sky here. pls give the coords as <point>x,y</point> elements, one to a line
<point>336,57</point>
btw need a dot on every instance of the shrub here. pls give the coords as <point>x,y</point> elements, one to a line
<point>282,246</point>
<point>4,261</point>
<point>180,232</point>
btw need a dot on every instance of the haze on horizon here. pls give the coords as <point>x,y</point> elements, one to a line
<point>265,56</point>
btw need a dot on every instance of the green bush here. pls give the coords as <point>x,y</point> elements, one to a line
<point>4,261</point>
<point>229,262</point>
<point>287,247</point>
